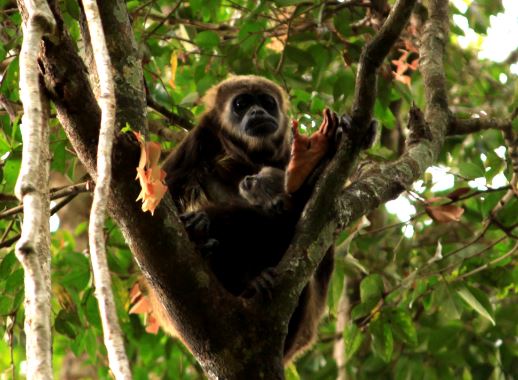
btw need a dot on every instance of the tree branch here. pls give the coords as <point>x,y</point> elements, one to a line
<point>103,286</point>
<point>465,126</point>
<point>33,248</point>
<point>53,210</point>
<point>56,194</point>
<point>171,116</point>
<point>323,214</point>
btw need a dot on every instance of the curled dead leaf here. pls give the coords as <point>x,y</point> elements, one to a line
<point>152,324</point>
<point>444,213</point>
<point>150,175</point>
<point>140,304</point>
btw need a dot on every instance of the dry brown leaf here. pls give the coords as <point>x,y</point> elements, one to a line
<point>152,324</point>
<point>141,306</point>
<point>150,175</point>
<point>445,213</point>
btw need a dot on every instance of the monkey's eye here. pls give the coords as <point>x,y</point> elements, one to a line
<point>242,102</point>
<point>268,102</point>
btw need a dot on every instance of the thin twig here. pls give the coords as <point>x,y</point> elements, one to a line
<point>63,192</point>
<point>487,265</point>
<point>58,206</point>
<point>171,116</point>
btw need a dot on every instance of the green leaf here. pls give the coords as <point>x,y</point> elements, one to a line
<point>64,324</point>
<point>7,264</point>
<point>382,340</point>
<point>92,311</point>
<point>363,309</point>
<point>353,339</point>
<point>489,202</point>
<point>290,372</point>
<point>11,170</point>
<point>300,56</point>
<point>336,288</point>
<point>127,128</point>
<point>207,39</point>
<point>403,326</point>
<point>59,156</point>
<point>442,336</point>
<point>15,280</point>
<point>72,8</point>
<point>371,288</point>
<point>250,36</point>
<point>470,170</point>
<point>76,271</point>
<point>384,115</point>
<point>477,300</point>
<point>342,21</point>
<point>6,305</point>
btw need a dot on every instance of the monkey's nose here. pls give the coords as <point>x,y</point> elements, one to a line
<point>248,182</point>
<point>257,111</point>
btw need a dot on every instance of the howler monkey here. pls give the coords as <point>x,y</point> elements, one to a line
<point>243,241</point>
<point>244,128</point>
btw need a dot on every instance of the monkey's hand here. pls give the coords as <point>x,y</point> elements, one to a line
<point>262,284</point>
<point>307,152</point>
<point>197,225</point>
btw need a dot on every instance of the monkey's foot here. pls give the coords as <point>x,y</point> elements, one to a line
<point>262,284</point>
<point>207,248</point>
<point>307,152</point>
<point>197,225</point>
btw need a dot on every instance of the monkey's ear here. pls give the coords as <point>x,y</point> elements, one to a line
<point>209,99</point>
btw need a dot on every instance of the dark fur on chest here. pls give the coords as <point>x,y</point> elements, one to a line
<point>209,164</point>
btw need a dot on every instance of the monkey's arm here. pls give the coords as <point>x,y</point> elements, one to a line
<point>187,166</point>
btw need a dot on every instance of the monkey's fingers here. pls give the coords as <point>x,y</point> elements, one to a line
<point>197,224</point>
<point>300,143</point>
<point>206,249</point>
<point>262,284</point>
<point>301,165</point>
<point>325,121</point>
<point>295,128</point>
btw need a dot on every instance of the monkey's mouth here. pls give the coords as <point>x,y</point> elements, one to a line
<point>247,183</point>
<point>260,126</point>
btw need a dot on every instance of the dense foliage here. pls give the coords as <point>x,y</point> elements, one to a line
<point>432,297</point>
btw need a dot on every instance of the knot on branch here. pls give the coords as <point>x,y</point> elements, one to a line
<point>418,127</point>
<point>25,247</point>
<point>44,22</point>
<point>25,186</point>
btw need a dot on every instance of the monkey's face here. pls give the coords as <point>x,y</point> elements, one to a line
<point>251,111</point>
<point>263,188</point>
<point>256,114</point>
